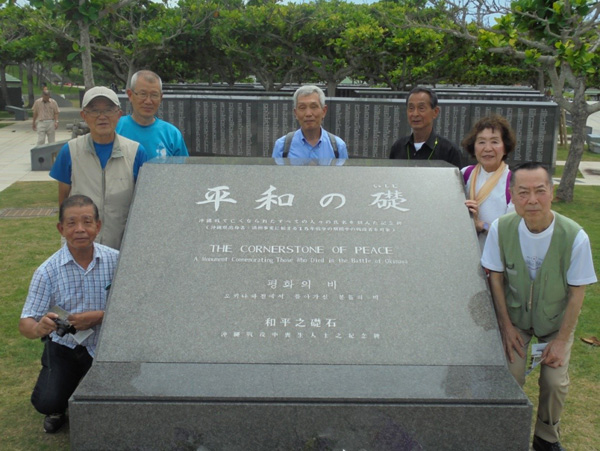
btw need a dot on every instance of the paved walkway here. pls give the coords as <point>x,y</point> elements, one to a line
<point>594,122</point>
<point>17,140</point>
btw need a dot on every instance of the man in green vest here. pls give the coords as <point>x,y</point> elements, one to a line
<point>540,263</point>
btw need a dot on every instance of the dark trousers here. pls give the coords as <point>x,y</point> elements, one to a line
<point>62,369</point>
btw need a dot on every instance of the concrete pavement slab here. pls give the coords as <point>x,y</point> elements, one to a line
<point>16,142</point>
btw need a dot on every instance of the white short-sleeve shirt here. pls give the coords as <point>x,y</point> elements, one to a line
<point>534,247</point>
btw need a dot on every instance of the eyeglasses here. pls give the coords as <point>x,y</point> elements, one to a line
<point>155,97</point>
<point>98,113</point>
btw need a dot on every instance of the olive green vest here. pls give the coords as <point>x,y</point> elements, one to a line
<point>539,304</point>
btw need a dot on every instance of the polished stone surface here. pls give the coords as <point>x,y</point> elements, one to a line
<point>260,306</point>
<point>43,156</point>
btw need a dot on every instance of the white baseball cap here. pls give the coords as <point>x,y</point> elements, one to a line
<point>100,91</point>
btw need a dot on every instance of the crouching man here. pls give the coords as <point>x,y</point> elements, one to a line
<point>540,263</point>
<point>75,279</point>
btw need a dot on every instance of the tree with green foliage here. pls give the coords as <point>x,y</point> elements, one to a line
<point>258,39</point>
<point>562,38</point>
<point>45,50</point>
<point>317,42</point>
<point>136,35</point>
<point>15,41</point>
<point>130,36</point>
<point>77,21</point>
<point>195,54</point>
<point>483,67</point>
<point>428,56</point>
<point>390,50</point>
<point>370,48</point>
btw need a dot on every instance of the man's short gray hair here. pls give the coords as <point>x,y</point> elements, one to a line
<point>307,90</point>
<point>147,75</point>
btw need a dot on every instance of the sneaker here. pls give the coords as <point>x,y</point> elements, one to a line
<point>539,444</point>
<point>52,423</point>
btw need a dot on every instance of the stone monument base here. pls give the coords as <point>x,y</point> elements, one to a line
<point>320,305</point>
<point>43,156</point>
<point>298,407</point>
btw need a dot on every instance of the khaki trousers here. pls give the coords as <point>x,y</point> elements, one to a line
<point>45,128</point>
<point>553,383</point>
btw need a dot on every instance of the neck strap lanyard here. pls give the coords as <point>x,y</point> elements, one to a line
<point>430,155</point>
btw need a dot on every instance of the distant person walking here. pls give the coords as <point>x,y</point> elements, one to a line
<point>45,118</point>
<point>159,138</point>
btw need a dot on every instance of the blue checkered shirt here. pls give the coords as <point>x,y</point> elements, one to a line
<point>61,281</point>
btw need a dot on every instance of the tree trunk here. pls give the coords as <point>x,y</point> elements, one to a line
<point>39,71</point>
<point>3,85</point>
<point>579,117</point>
<point>86,54</point>
<point>331,87</point>
<point>30,95</point>
<point>130,73</point>
<point>541,85</point>
<point>266,80</point>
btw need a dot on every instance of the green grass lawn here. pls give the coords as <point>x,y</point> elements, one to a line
<point>561,154</point>
<point>581,417</point>
<point>558,172</point>
<point>26,243</point>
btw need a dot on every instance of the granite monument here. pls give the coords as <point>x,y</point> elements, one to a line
<point>313,305</point>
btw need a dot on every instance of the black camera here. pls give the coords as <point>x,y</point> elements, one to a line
<point>64,327</point>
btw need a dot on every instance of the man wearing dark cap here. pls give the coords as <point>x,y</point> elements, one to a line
<point>101,165</point>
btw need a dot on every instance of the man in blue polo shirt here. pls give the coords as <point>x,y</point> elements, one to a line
<point>310,141</point>
<point>159,138</point>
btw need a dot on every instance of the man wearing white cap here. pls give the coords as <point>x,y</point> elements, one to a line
<point>101,165</point>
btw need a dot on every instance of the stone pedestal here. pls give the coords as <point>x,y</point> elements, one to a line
<point>43,156</point>
<point>299,307</point>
